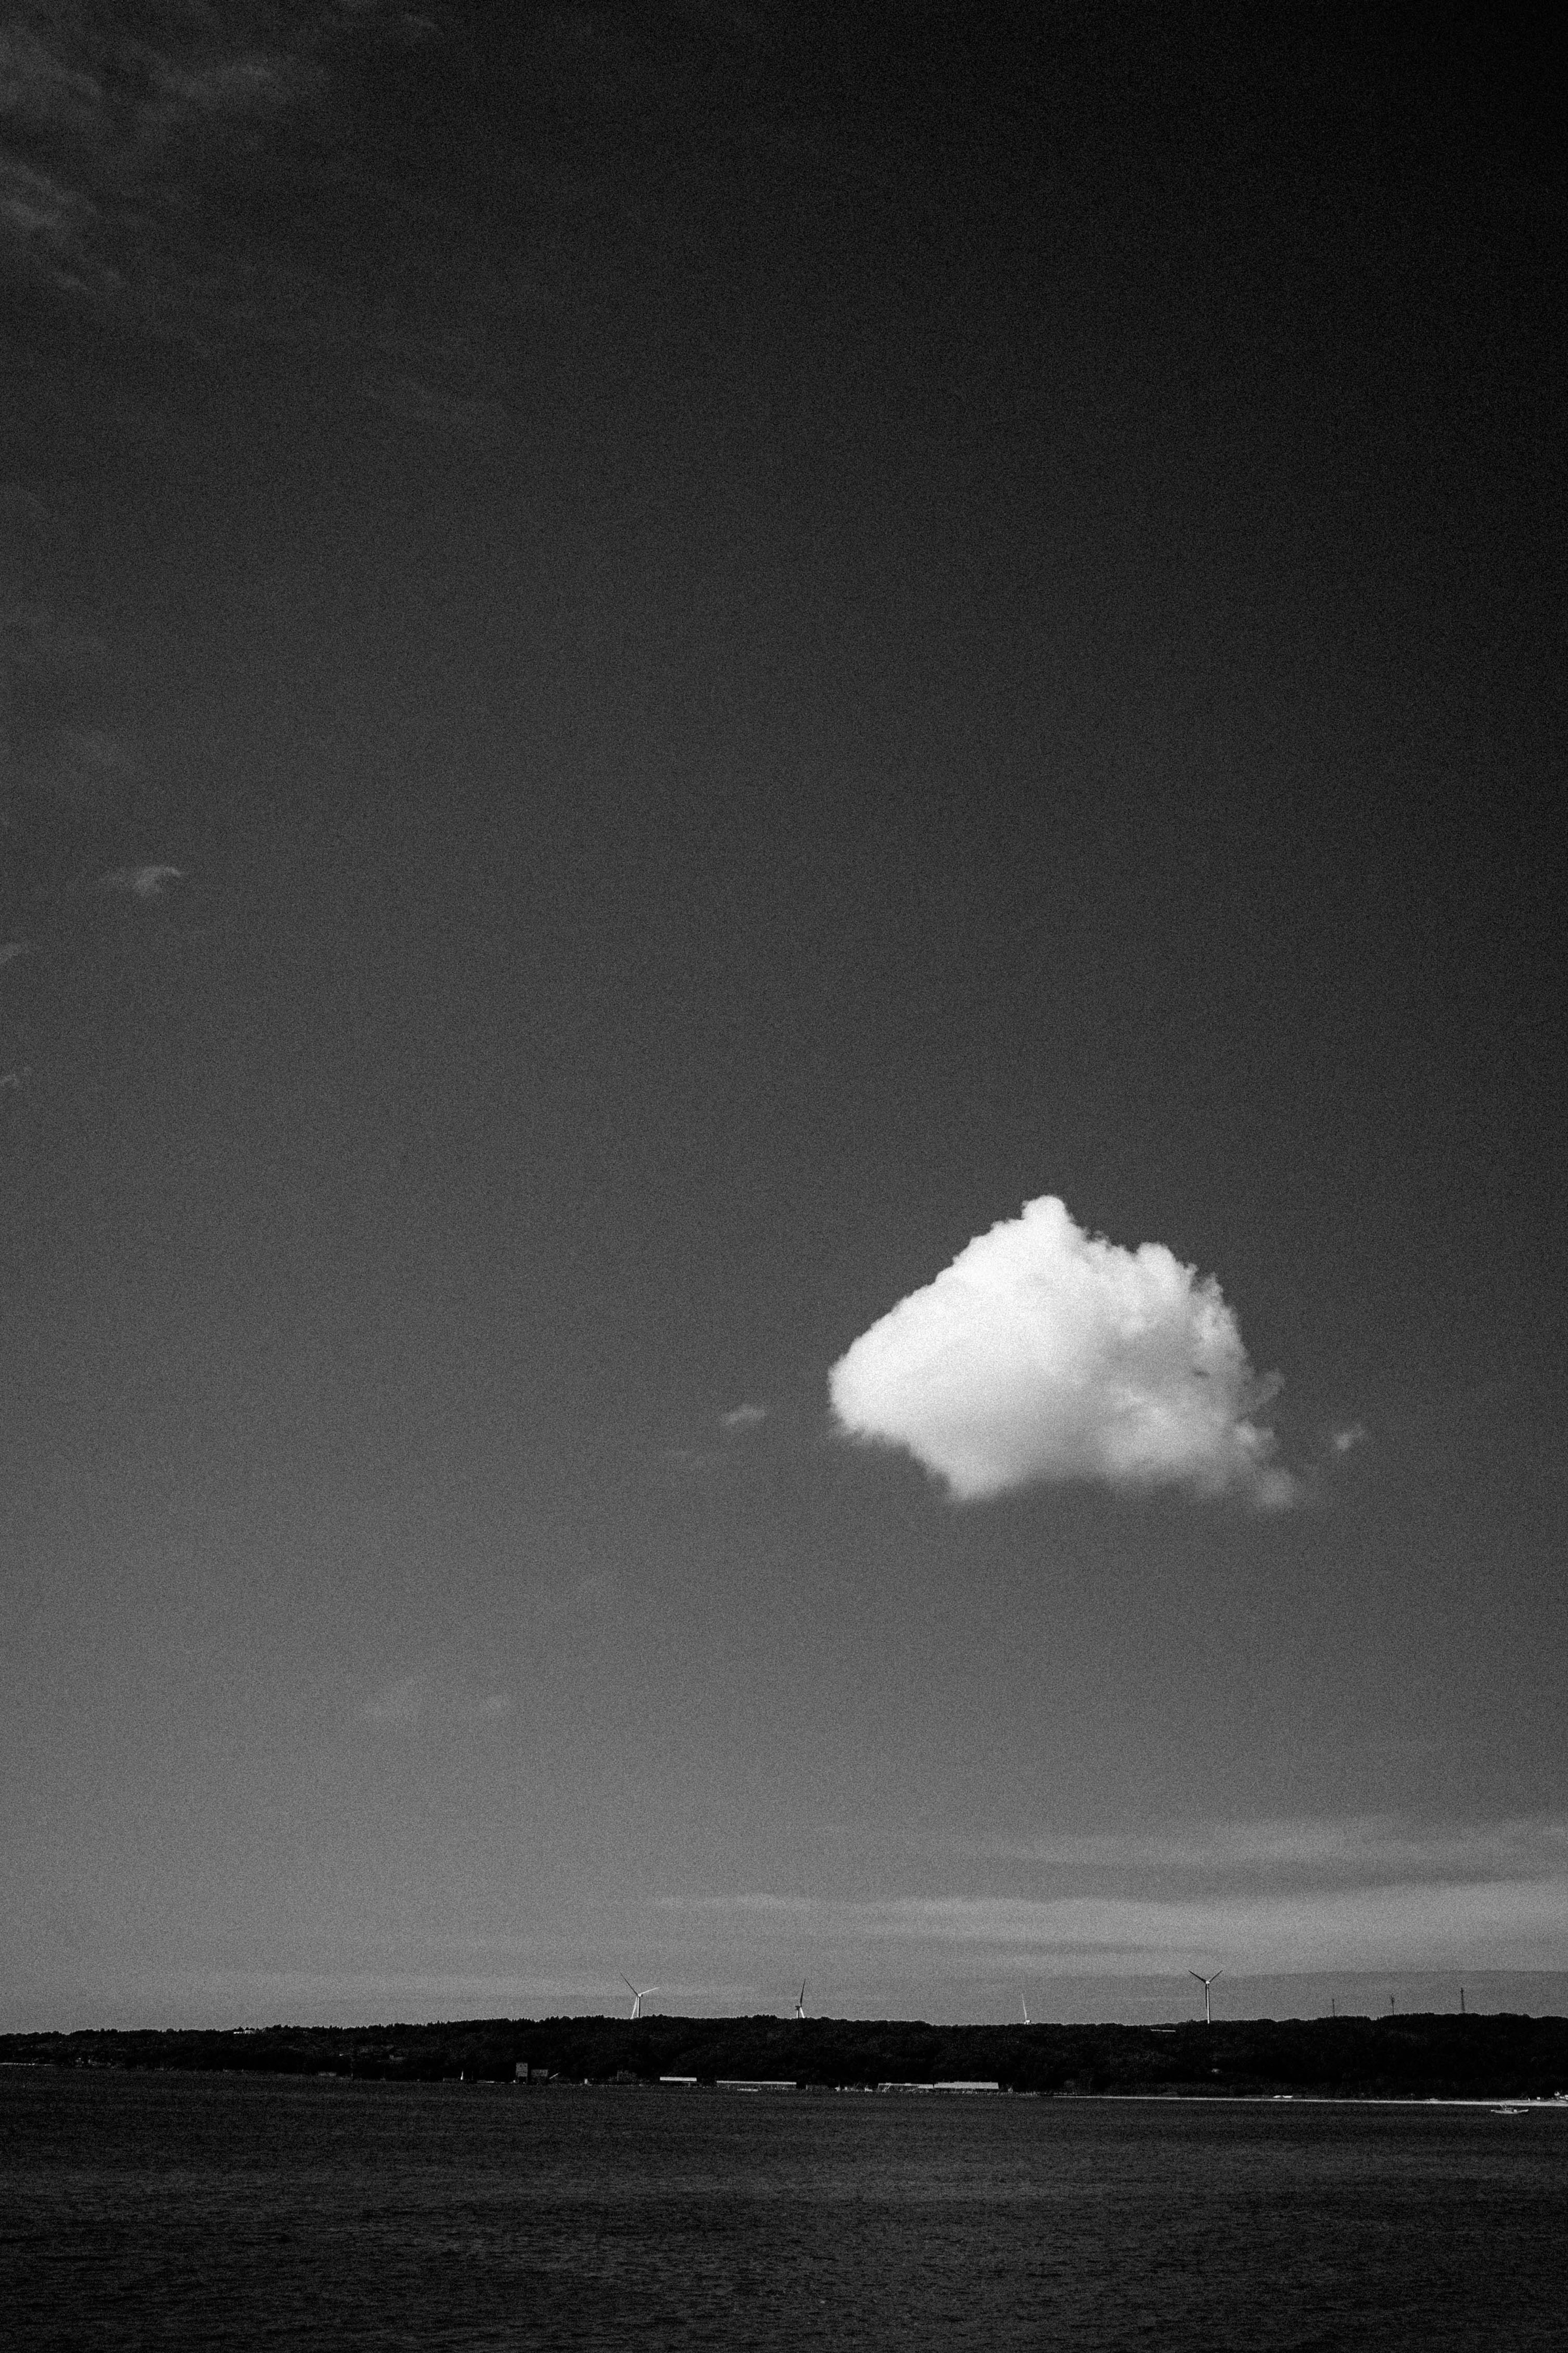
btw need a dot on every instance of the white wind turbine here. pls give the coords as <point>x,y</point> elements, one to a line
<point>639,1995</point>
<point>800,2002</point>
<point>1025,2000</point>
<point>1205,1983</point>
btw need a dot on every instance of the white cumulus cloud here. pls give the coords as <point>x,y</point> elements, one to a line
<point>1044,1354</point>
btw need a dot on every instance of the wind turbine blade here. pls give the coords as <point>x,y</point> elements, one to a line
<point>628,1985</point>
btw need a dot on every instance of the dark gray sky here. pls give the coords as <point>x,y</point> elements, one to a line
<point>654,668</point>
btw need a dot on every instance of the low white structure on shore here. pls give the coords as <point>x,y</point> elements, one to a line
<point>958,2084</point>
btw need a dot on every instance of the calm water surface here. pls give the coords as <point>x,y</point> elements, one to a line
<point>216,2211</point>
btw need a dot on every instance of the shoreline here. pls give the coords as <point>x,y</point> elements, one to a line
<point>1481,2061</point>
<point>924,2095</point>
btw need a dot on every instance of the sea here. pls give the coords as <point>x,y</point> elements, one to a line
<point>142,2209</point>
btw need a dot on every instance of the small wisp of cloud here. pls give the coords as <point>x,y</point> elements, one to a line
<point>743,1418</point>
<point>737,1425</point>
<point>143,882</point>
<point>1044,1354</point>
<point>402,1702</point>
<point>427,1699</point>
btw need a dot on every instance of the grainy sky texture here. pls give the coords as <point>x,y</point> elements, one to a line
<point>776,785</point>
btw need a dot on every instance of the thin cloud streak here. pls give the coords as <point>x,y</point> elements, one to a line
<point>1361,1892</point>
<point>143,882</point>
<point>1492,1924</point>
<point>112,155</point>
<point>472,416</point>
<point>1360,1844</point>
<point>1044,1354</point>
<point>419,1700</point>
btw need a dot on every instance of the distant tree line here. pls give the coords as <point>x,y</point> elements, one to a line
<point>1412,2057</point>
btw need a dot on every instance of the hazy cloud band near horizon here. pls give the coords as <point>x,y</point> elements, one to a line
<point>1495,1923</point>
<point>1044,1354</point>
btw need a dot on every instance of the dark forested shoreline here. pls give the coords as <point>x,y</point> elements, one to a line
<point>1416,2057</point>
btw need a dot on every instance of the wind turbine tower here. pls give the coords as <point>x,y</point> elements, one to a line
<point>1025,2000</point>
<point>1205,1983</point>
<point>800,2004</point>
<point>639,1995</point>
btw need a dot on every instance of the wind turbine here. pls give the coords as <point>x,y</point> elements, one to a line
<point>1205,1983</point>
<point>639,1994</point>
<point>1025,2000</point>
<point>800,2002</point>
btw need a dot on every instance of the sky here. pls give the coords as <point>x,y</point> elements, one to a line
<point>781,1044</point>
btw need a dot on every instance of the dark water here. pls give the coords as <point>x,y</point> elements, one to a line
<point>205,2211</point>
